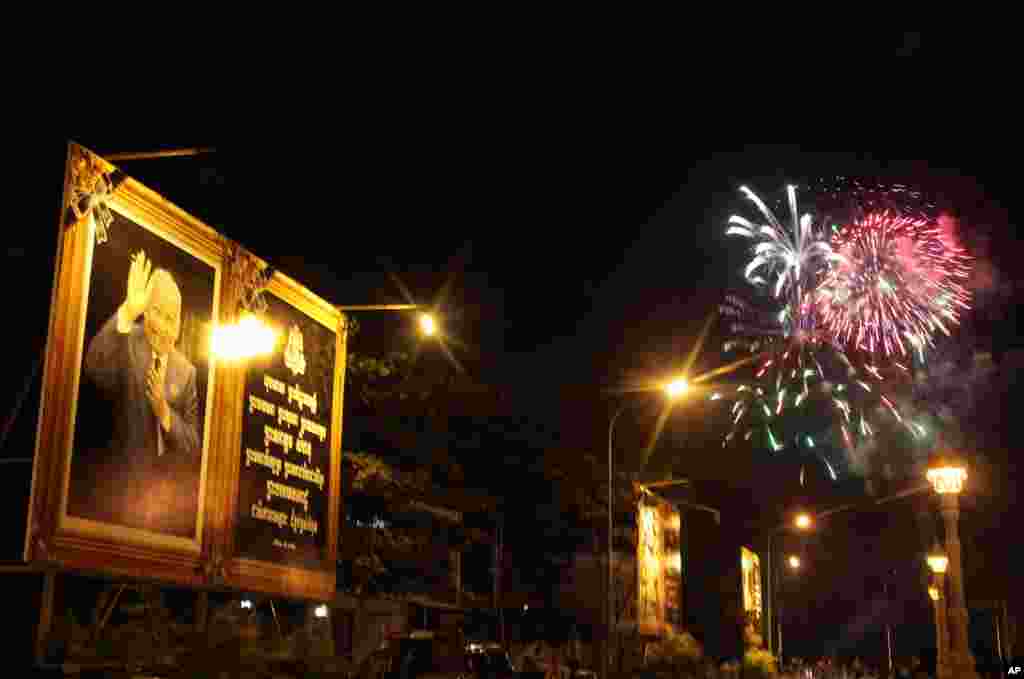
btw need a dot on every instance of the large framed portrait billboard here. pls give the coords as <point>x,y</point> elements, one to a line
<point>659,568</point>
<point>154,458</point>
<point>125,431</point>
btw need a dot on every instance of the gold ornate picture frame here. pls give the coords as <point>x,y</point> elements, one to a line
<point>113,491</point>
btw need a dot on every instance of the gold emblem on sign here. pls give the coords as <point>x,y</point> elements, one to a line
<point>294,358</point>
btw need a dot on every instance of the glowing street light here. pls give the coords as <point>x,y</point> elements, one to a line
<point>933,592</point>
<point>320,611</point>
<point>947,477</point>
<point>794,562</point>
<point>937,560</point>
<point>803,521</point>
<point>676,388</point>
<point>428,326</point>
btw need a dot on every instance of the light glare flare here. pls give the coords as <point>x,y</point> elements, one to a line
<point>677,387</point>
<point>428,326</point>
<point>246,339</point>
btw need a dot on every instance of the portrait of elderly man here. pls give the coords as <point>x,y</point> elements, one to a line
<point>150,388</point>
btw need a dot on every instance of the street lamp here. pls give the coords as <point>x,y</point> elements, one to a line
<point>673,389</point>
<point>427,325</point>
<point>947,474</point>
<point>803,521</point>
<point>427,321</point>
<point>677,387</point>
<point>937,562</point>
<point>794,563</point>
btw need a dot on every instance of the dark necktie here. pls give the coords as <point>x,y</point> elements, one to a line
<point>158,363</point>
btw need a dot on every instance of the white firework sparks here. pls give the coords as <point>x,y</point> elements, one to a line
<point>790,260</point>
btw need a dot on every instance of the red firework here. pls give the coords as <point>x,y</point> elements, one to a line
<point>898,281</point>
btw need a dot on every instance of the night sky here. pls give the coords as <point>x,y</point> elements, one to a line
<point>573,265</point>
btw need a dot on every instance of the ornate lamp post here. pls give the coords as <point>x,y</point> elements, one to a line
<point>803,521</point>
<point>947,474</point>
<point>937,562</point>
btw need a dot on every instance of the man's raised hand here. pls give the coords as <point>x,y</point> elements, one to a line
<point>140,286</point>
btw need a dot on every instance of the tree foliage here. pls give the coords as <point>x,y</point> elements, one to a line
<point>389,539</point>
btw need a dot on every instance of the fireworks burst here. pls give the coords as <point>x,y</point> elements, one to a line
<point>806,394</point>
<point>896,281</point>
<point>788,261</point>
<point>809,395</point>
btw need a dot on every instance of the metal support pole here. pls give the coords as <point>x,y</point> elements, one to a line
<point>941,630</point>
<point>202,612</point>
<point>45,616</point>
<point>888,629</point>
<point>1008,643</point>
<point>377,307</point>
<point>501,559</point>
<point>277,621</point>
<point>961,658</point>
<point>606,656</point>
<point>108,608</point>
<point>777,596</point>
<point>769,622</point>
<point>150,155</point>
<point>999,637</point>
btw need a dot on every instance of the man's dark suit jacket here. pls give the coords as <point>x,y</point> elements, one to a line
<point>118,364</point>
